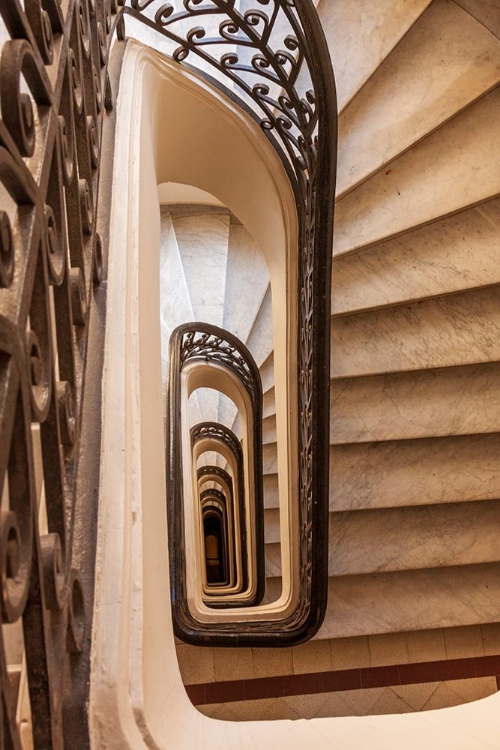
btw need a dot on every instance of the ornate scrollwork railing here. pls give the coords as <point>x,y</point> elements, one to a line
<point>52,77</point>
<point>275,57</point>
<point>204,344</point>
<point>216,431</point>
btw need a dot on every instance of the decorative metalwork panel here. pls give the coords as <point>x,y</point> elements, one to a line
<point>52,78</point>
<point>217,432</point>
<point>206,343</point>
<point>215,493</point>
<point>271,56</point>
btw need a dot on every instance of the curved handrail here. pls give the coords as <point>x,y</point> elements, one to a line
<point>216,431</point>
<point>268,69</point>
<point>203,343</point>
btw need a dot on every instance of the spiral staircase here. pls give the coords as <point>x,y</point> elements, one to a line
<point>117,119</point>
<point>414,524</point>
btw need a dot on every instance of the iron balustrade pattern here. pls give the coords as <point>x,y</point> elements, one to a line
<point>54,91</point>
<point>273,56</point>
<point>219,432</point>
<point>214,430</point>
<point>207,344</point>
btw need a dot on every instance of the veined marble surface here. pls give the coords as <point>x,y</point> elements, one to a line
<point>260,339</point>
<point>456,166</point>
<point>269,458</point>
<point>426,403</point>
<point>412,600</point>
<point>430,536</point>
<point>246,270</point>
<point>269,429</point>
<point>440,332</point>
<point>456,253</point>
<point>415,472</point>
<point>203,242</point>
<point>273,560</point>
<point>445,62</point>
<point>267,373</point>
<point>271,495</point>
<point>379,25</point>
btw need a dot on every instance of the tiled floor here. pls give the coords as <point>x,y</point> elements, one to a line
<point>401,699</point>
<point>372,658</point>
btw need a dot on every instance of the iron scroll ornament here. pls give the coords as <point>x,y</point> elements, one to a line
<point>285,82</point>
<point>205,343</point>
<point>52,75</point>
<point>219,432</point>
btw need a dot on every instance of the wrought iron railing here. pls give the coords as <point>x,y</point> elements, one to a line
<point>275,60</point>
<point>206,344</point>
<point>219,432</point>
<point>52,78</point>
<point>54,94</point>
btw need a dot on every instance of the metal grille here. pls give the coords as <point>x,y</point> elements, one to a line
<point>52,79</point>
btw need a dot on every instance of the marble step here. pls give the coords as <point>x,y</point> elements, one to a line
<point>411,600</point>
<point>420,404</point>
<point>272,554</point>
<point>380,25</point>
<point>455,167</point>
<point>450,255</point>
<point>267,373</point>
<point>431,536</point>
<point>271,526</point>
<point>260,339</point>
<point>445,62</point>
<point>270,458</point>
<point>397,474</point>
<point>271,497</point>
<point>203,245</point>
<point>426,403</point>
<point>412,538</point>
<point>175,307</point>
<point>462,328</point>
<point>268,403</point>
<point>269,429</point>
<point>426,471</point>
<point>246,268</point>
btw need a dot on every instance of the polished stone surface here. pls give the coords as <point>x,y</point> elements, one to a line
<point>456,166</point>
<point>363,542</point>
<point>427,403</point>
<point>412,600</point>
<point>445,62</point>
<point>450,255</point>
<point>380,25</point>
<point>441,332</point>
<point>415,472</point>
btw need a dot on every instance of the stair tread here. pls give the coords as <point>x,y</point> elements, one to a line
<point>427,403</point>
<point>246,268</point>
<point>203,242</point>
<point>409,600</point>
<point>445,62</point>
<point>260,340</point>
<point>462,328</point>
<point>269,429</point>
<point>431,536</point>
<point>456,253</point>
<point>455,167</point>
<point>414,472</point>
<point>381,25</point>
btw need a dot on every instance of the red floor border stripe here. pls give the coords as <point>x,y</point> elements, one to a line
<point>344,679</point>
